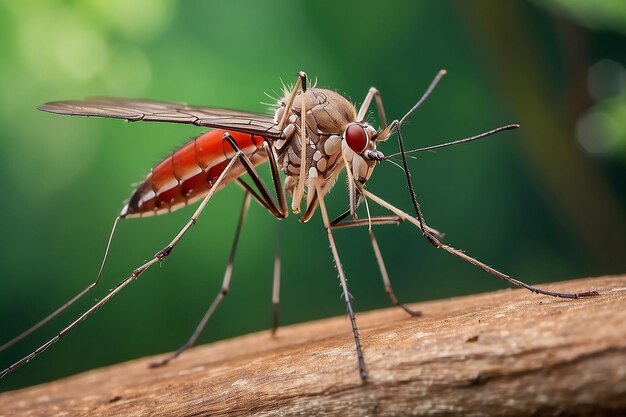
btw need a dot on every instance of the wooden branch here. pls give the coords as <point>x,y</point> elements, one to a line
<point>506,353</point>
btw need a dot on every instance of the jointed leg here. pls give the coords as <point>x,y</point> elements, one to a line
<point>428,236</point>
<point>266,201</point>
<point>380,220</point>
<point>250,190</point>
<point>343,283</point>
<point>471,260</point>
<point>276,280</point>
<point>385,275</point>
<point>278,187</point>
<point>338,223</point>
<point>396,124</point>
<point>375,220</point>
<point>78,296</point>
<point>220,295</point>
<point>301,85</point>
<point>276,283</point>
<point>279,211</point>
<point>420,217</point>
<point>304,144</point>
<point>372,93</point>
<point>258,182</point>
<point>159,256</point>
<point>299,82</point>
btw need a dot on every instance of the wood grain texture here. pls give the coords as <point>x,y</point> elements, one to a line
<point>506,353</point>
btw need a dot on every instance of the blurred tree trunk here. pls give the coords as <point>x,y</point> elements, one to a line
<point>517,58</point>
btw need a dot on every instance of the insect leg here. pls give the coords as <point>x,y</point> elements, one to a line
<point>420,217</point>
<point>431,237</point>
<point>282,201</point>
<point>474,261</point>
<point>397,125</point>
<point>373,93</point>
<point>276,282</point>
<point>304,144</point>
<point>301,85</point>
<point>278,187</point>
<point>248,188</point>
<point>375,220</point>
<point>385,276</point>
<point>159,256</point>
<point>342,280</point>
<point>78,296</point>
<point>272,208</point>
<point>302,77</point>
<point>266,201</point>
<point>379,220</point>
<point>220,295</point>
<point>279,211</point>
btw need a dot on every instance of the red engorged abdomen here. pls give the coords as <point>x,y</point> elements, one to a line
<point>188,174</point>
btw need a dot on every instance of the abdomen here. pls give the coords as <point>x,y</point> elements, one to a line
<point>188,174</point>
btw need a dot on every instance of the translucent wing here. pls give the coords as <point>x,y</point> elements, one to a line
<point>163,111</point>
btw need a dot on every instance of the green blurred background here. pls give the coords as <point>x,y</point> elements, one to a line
<point>546,202</point>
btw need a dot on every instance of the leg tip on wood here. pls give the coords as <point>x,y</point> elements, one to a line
<point>410,311</point>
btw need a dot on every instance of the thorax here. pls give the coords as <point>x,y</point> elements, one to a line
<point>327,115</point>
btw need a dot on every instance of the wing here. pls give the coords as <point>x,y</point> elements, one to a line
<point>162,111</point>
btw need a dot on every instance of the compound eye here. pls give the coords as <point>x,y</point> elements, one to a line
<point>356,137</point>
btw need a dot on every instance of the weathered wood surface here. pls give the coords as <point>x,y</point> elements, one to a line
<point>507,353</point>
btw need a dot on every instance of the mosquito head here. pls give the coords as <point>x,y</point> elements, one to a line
<point>358,146</point>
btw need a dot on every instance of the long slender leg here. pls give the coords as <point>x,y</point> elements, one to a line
<point>355,188</point>
<point>256,179</point>
<point>304,144</point>
<point>266,201</point>
<point>282,201</point>
<point>278,187</point>
<point>420,217</point>
<point>432,238</point>
<point>375,220</point>
<point>220,295</point>
<point>292,97</point>
<point>380,220</point>
<point>277,265</point>
<point>276,282</point>
<point>301,85</point>
<point>386,280</point>
<point>78,296</point>
<point>369,222</point>
<point>372,93</point>
<point>428,236</point>
<point>474,261</point>
<point>159,256</point>
<point>344,285</point>
<point>338,223</point>
<point>279,210</point>
<point>249,189</point>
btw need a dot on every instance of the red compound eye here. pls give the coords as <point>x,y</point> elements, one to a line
<point>356,137</point>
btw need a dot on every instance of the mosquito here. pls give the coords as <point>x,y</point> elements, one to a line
<point>314,135</point>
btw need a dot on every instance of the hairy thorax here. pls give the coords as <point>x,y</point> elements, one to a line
<point>327,115</point>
